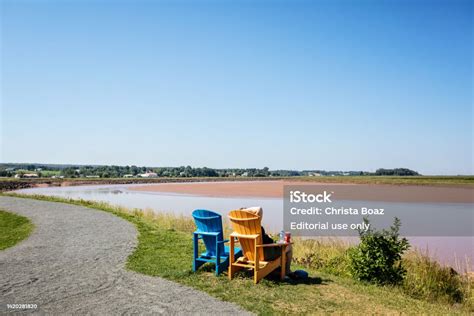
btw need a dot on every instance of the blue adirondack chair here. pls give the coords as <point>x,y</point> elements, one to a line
<point>209,229</point>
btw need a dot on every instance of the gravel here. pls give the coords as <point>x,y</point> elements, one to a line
<point>74,263</point>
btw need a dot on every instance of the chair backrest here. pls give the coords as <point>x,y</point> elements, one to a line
<point>209,222</point>
<point>247,223</point>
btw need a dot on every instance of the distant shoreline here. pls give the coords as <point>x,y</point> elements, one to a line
<point>397,189</point>
<point>342,191</point>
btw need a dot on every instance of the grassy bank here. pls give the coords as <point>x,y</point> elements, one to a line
<point>13,229</point>
<point>165,250</point>
<point>8,184</point>
<point>467,181</point>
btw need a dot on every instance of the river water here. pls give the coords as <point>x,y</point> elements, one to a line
<point>456,251</point>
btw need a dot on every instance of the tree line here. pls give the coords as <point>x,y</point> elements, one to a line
<point>76,171</point>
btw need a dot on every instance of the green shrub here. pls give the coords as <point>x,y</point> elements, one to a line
<point>377,258</point>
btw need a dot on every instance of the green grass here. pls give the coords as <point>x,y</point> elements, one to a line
<point>395,180</point>
<point>13,229</point>
<point>49,173</point>
<point>426,279</point>
<point>165,250</point>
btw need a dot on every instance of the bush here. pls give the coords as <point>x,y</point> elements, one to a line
<point>377,258</point>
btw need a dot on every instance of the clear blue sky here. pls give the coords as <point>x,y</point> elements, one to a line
<point>336,85</point>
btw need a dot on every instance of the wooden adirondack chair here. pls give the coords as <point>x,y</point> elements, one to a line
<point>209,229</point>
<point>248,232</point>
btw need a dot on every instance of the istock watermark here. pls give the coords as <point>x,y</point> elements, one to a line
<point>301,196</point>
<point>309,210</point>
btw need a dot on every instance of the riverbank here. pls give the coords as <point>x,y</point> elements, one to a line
<point>453,251</point>
<point>165,249</point>
<point>342,191</point>
<point>11,184</point>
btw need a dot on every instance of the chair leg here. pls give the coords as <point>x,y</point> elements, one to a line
<point>218,258</point>
<point>283,263</point>
<point>257,264</point>
<point>195,249</point>
<point>231,258</point>
<point>222,266</point>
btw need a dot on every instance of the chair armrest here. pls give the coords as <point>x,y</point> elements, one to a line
<point>222,241</point>
<point>272,245</point>
<point>236,240</point>
<point>206,233</point>
<point>234,234</point>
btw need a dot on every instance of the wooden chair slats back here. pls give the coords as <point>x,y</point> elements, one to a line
<point>247,223</point>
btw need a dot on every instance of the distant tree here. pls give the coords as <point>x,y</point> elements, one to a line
<point>265,172</point>
<point>69,172</point>
<point>396,172</point>
<point>4,173</point>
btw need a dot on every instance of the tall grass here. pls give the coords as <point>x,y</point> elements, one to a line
<point>329,254</point>
<point>165,220</point>
<point>429,280</point>
<point>425,278</point>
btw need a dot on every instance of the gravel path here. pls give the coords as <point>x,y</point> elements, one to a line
<point>74,263</point>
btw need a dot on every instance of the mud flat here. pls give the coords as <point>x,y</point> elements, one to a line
<point>343,191</point>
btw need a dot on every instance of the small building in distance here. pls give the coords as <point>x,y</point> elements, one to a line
<point>149,174</point>
<point>128,175</point>
<point>26,175</point>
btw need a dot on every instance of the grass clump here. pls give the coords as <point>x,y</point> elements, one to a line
<point>328,254</point>
<point>428,280</point>
<point>13,229</point>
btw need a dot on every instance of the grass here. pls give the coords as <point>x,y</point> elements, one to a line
<point>426,279</point>
<point>165,250</point>
<point>429,280</point>
<point>13,229</point>
<point>466,181</point>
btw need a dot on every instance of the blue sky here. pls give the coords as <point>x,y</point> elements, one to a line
<point>336,85</point>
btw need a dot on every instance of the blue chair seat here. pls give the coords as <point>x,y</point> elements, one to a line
<point>237,251</point>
